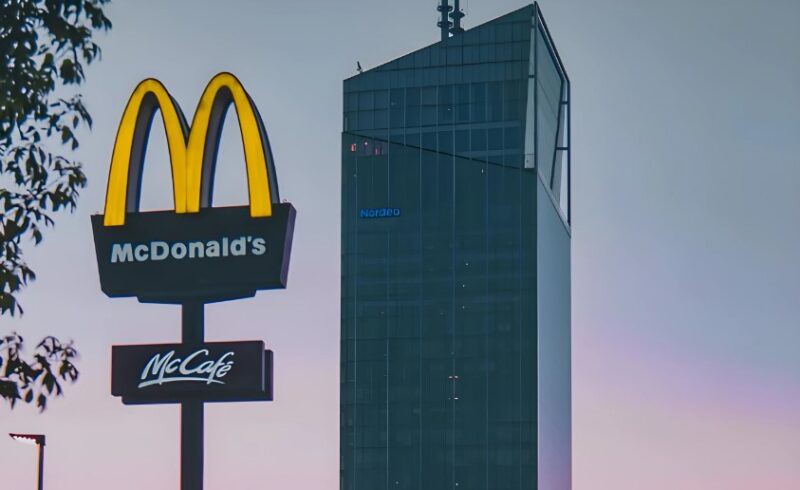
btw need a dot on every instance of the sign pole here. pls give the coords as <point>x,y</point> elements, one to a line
<point>214,254</point>
<point>193,329</point>
<point>41,464</point>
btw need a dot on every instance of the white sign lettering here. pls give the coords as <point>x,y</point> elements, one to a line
<point>196,367</point>
<point>159,250</point>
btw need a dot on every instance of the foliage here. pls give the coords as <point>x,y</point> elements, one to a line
<point>28,382</point>
<point>44,45</point>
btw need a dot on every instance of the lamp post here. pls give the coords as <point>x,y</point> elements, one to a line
<point>38,440</point>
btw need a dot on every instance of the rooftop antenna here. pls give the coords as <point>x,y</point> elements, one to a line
<point>444,8</point>
<point>457,14</point>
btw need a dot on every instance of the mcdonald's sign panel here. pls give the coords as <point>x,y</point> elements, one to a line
<point>195,251</point>
<point>172,373</point>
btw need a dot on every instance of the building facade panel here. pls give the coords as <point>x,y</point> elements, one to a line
<point>441,296</point>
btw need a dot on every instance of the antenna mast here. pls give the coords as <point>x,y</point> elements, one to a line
<point>457,14</point>
<point>444,8</point>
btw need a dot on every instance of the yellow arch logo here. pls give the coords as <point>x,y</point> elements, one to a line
<point>193,151</point>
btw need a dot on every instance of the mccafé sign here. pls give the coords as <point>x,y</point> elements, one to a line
<point>195,251</point>
<point>215,371</point>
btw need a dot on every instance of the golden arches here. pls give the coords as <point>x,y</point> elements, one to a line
<point>192,152</point>
<point>210,111</point>
<point>148,95</point>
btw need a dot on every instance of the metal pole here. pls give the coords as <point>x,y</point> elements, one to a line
<point>444,24</point>
<point>192,325</point>
<point>41,465</point>
<point>457,15</point>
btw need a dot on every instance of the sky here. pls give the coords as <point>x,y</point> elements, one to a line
<point>686,226</point>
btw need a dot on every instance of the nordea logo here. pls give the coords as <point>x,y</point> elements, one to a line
<point>379,212</point>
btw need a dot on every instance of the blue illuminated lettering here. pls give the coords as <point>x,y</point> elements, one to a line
<point>379,213</point>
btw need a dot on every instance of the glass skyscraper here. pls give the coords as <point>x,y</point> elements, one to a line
<point>455,360</point>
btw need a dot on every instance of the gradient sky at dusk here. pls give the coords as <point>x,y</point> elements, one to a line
<point>686,242</point>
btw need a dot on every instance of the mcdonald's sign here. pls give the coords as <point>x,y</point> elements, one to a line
<point>196,251</point>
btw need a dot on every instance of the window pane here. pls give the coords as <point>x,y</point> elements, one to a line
<point>381,119</point>
<point>429,140</point>
<point>478,140</point>
<point>428,116</point>
<point>495,98</point>
<point>446,142</point>
<point>365,120</point>
<point>495,138</point>
<point>412,116</point>
<point>351,101</point>
<point>513,109</point>
<point>478,102</point>
<point>513,138</point>
<point>397,107</point>
<point>445,104</point>
<point>365,101</point>
<point>412,97</point>
<point>381,99</point>
<point>462,141</point>
<point>428,95</point>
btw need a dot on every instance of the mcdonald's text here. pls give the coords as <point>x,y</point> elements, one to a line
<point>161,250</point>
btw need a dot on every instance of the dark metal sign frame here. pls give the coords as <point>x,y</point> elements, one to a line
<point>194,255</point>
<point>217,254</point>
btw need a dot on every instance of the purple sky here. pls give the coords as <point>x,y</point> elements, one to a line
<point>686,226</point>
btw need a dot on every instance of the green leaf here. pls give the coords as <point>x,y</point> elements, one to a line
<point>44,45</point>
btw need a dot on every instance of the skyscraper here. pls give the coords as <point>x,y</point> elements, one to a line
<point>455,365</point>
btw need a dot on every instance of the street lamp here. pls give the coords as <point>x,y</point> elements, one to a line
<point>37,440</point>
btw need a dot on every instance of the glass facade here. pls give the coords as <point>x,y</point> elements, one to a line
<point>455,165</point>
